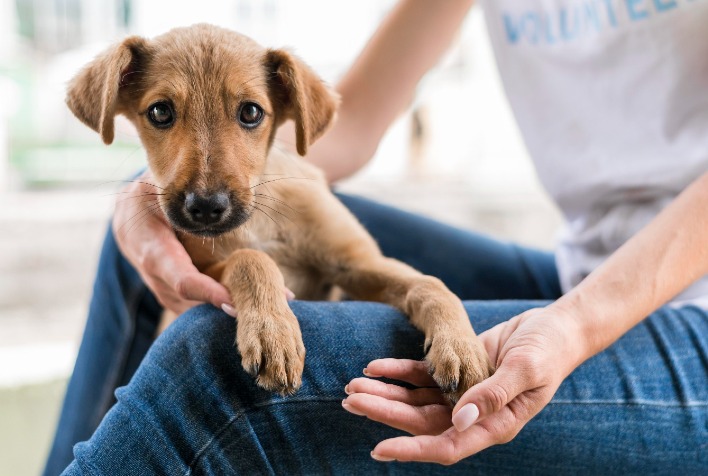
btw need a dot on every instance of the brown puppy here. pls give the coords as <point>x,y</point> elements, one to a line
<point>206,103</point>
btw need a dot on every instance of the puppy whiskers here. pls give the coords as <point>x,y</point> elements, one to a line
<point>131,181</point>
<point>139,217</point>
<point>271,218</point>
<point>277,200</point>
<point>151,212</point>
<point>282,178</point>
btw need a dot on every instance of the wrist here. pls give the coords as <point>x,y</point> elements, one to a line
<point>576,332</point>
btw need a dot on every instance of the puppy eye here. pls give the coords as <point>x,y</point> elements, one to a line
<point>161,115</point>
<point>250,115</point>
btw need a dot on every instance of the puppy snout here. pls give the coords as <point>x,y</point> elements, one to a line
<point>207,209</point>
<point>206,213</point>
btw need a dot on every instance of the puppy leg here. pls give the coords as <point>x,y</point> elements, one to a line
<point>349,258</point>
<point>268,334</point>
<point>456,356</point>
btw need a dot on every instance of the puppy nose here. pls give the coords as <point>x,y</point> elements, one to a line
<point>206,209</point>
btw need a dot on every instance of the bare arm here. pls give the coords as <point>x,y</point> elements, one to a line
<point>650,269</point>
<point>382,80</point>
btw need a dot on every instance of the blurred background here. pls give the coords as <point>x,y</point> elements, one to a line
<point>455,154</point>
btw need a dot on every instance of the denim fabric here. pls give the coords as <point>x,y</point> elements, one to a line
<point>639,407</point>
<point>122,321</point>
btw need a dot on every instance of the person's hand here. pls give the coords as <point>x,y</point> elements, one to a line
<point>151,246</point>
<point>533,352</point>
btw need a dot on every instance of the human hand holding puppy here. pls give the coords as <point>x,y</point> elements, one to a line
<point>150,245</point>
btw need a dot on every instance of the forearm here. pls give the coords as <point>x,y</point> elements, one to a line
<point>382,81</point>
<point>650,269</point>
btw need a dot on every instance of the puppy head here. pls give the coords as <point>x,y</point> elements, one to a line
<point>206,103</point>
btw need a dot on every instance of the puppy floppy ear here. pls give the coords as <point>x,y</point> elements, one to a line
<point>302,97</point>
<point>94,93</point>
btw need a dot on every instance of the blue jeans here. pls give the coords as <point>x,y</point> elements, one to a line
<point>640,407</point>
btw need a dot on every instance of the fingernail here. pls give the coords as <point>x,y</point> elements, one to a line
<point>351,409</point>
<point>229,309</point>
<point>466,417</point>
<point>289,295</point>
<point>381,458</point>
<point>346,389</point>
<point>368,374</point>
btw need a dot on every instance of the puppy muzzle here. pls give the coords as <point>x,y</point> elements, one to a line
<point>206,213</point>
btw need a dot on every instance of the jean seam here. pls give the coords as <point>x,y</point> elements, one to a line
<point>197,457</point>
<point>262,405</point>
<point>290,400</point>
<point>203,450</point>
<point>559,402</point>
<point>630,403</point>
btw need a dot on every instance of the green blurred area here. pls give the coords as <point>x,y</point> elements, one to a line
<point>28,415</point>
<point>51,165</point>
<point>39,162</point>
<point>56,152</point>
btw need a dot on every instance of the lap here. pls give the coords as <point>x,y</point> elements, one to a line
<point>640,406</point>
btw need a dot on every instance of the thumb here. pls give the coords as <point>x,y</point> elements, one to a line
<point>195,286</point>
<point>175,267</point>
<point>488,397</point>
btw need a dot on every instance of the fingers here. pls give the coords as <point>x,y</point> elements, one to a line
<point>496,405</point>
<point>194,286</point>
<point>447,448</point>
<point>428,419</point>
<point>164,259</point>
<point>417,411</point>
<point>424,448</point>
<point>417,397</point>
<point>495,410</point>
<point>451,446</point>
<point>423,412</point>
<point>414,372</point>
<point>187,285</point>
<point>167,296</point>
<point>491,395</point>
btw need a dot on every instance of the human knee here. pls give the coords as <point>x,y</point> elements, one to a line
<point>203,329</point>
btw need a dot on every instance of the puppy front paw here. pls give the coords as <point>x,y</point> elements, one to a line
<point>271,349</point>
<point>457,360</point>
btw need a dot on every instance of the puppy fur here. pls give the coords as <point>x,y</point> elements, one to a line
<point>282,226</point>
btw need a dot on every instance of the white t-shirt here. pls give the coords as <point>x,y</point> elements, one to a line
<point>611,97</point>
